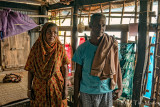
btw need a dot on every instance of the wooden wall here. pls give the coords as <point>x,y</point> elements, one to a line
<point>15,49</point>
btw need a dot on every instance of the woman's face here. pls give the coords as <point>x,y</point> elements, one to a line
<point>51,34</point>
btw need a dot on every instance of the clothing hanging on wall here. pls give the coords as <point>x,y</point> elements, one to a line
<point>13,23</point>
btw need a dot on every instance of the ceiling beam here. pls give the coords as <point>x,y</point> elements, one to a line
<point>89,2</point>
<point>32,2</point>
<point>59,5</point>
<point>5,4</point>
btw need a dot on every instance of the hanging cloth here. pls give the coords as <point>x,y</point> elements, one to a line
<point>13,23</point>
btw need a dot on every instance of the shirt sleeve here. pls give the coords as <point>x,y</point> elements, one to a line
<point>77,57</point>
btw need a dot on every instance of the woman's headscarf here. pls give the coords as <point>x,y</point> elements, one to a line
<point>45,59</point>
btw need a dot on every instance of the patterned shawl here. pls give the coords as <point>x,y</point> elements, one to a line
<point>46,59</point>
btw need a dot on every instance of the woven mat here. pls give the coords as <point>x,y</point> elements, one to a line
<point>10,92</point>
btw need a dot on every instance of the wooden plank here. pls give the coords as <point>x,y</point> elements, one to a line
<point>65,17</point>
<point>146,101</point>
<point>142,54</point>
<point>64,38</point>
<point>39,16</point>
<point>124,37</point>
<point>136,41</point>
<point>108,28</point>
<point>55,16</point>
<point>122,12</point>
<point>157,89</point>
<point>156,61</point>
<point>59,5</point>
<point>43,11</point>
<point>22,48</point>
<point>59,18</point>
<point>18,5</point>
<point>89,14</point>
<point>123,27</point>
<point>89,2</point>
<point>101,7</point>
<point>136,9</point>
<point>152,13</point>
<point>32,2</point>
<point>71,16</point>
<point>151,6</point>
<point>106,16</point>
<point>147,68</point>
<point>109,13</point>
<point>15,51</point>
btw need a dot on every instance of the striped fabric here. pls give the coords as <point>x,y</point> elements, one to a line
<point>96,100</point>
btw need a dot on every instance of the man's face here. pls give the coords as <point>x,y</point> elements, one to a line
<point>98,26</point>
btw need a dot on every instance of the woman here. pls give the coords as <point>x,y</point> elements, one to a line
<point>47,66</point>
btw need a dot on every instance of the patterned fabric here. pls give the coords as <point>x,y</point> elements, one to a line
<point>44,62</point>
<point>96,100</point>
<point>127,62</point>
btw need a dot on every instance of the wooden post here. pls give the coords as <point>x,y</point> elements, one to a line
<point>136,5</point>
<point>101,7</point>
<point>109,13</point>
<point>147,68</point>
<point>43,11</point>
<point>71,16</point>
<point>59,18</point>
<point>66,16</point>
<point>122,12</point>
<point>64,38</point>
<point>124,37</point>
<point>156,70</point>
<point>143,44</point>
<point>74,29</point>
<point>89,14</point>
<point>151,6</point>
<point>55,16</point>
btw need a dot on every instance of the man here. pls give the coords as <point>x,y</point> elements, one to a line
<point>97,67</point>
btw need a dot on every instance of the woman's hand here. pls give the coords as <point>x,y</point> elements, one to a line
<point>29,94</point>
<point>64,94</point>
<point>117,93</point>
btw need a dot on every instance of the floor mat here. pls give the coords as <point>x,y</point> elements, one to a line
<point>10,92</point>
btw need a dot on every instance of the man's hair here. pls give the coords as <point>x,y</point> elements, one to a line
<point>95,15</point>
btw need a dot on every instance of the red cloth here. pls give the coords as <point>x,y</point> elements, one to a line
<point>82,40</point>
<point>68,50</point>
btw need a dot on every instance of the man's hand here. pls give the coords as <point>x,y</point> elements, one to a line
<point>77,79</point>
<point>117,93</point>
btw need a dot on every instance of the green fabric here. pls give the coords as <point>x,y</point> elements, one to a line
<point>127,62</point>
